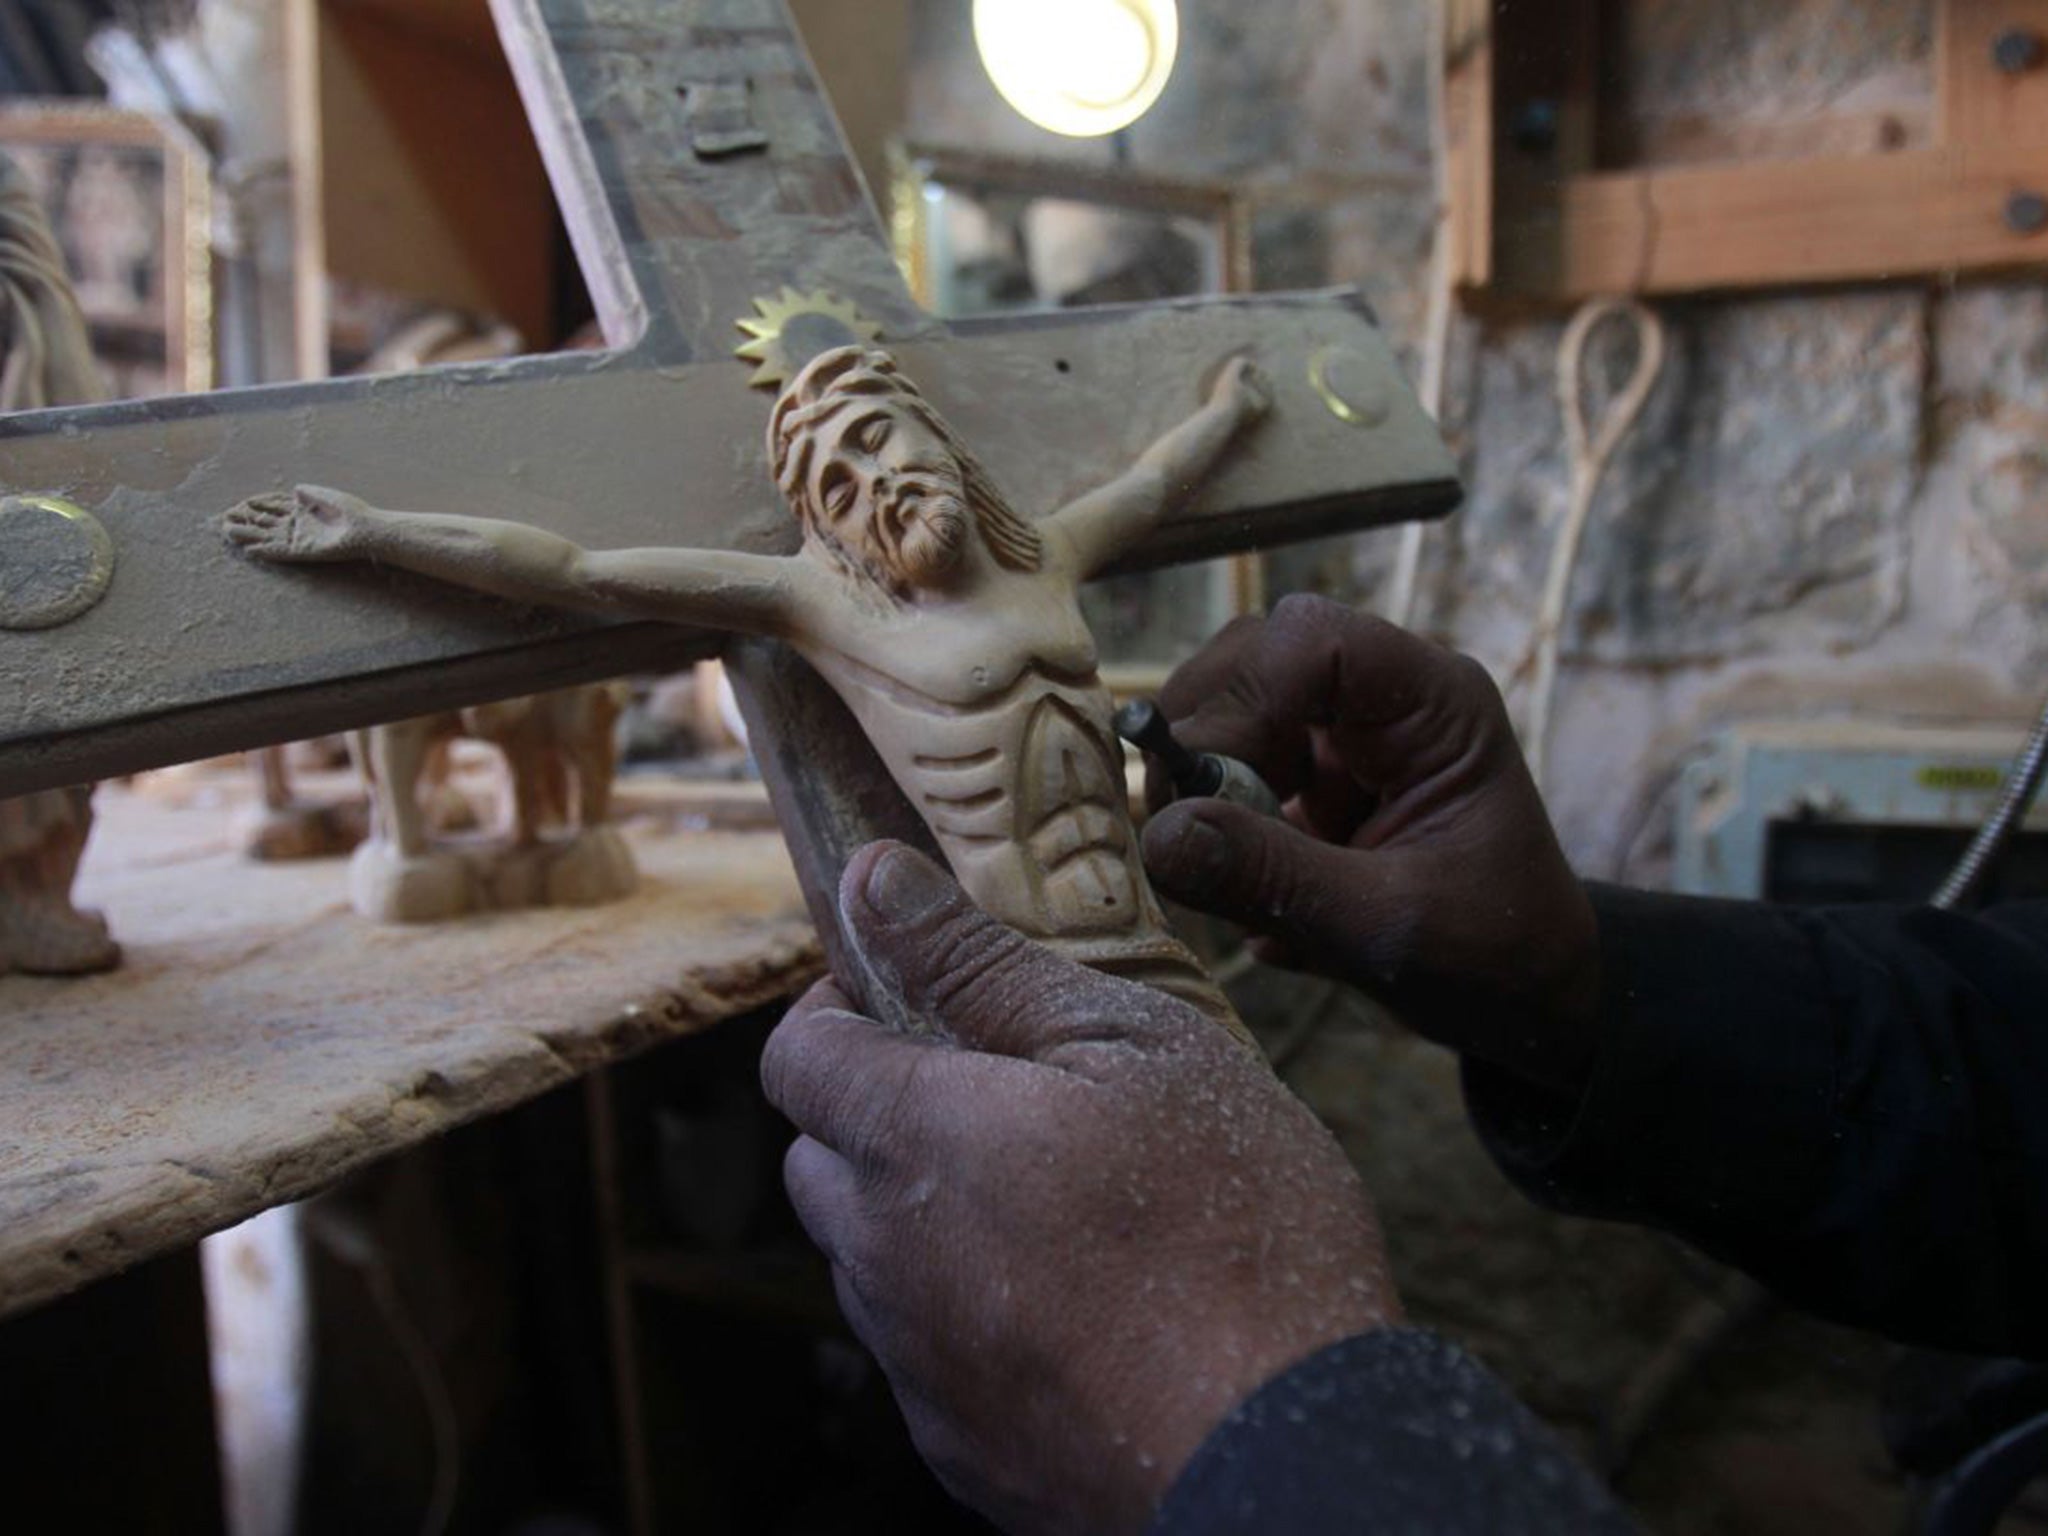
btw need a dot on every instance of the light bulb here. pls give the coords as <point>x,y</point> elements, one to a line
<point>1078,67</point>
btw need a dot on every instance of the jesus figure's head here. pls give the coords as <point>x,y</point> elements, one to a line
<point>880,481</point>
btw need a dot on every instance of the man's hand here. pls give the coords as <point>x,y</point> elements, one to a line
<point>303,525</point>
<point>1416,860</point>
<point>1077,1224</point>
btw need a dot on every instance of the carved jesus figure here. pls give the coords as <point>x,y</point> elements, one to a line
<point>948,623</point>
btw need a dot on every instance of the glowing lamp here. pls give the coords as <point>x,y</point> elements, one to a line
<point>1078,67</point>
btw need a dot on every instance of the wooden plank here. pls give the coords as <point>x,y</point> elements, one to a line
<point>862,54</point>
<point>1470,132</point>
<point>1692,229</point>
<point>261,1040</point>
<point>195,650</point>
<point>1983,107</point>
<point>1556,231</point>
<point>675,243</point>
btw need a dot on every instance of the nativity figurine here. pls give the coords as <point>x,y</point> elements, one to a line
<point>948,622</point>
<point>47,361</point>
<point>558,848</point>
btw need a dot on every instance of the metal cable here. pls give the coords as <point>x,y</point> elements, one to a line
<point>2022,784</point>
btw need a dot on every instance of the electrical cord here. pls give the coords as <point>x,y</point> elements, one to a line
<point>351,1243</point>
<point>2022,785</point>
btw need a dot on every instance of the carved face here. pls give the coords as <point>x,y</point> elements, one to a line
<point>887,487</point>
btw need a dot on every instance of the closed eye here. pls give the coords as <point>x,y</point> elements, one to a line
<point>837,492</point>
<point>874,434</point>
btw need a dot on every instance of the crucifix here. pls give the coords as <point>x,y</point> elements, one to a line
<point>699,169</point>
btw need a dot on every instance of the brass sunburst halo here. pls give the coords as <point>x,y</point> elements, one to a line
<point>792,327</point>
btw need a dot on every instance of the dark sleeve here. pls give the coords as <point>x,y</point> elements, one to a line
<point>1849,1104</point>
<point>1389,1432</point>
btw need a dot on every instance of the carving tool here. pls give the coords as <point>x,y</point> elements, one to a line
<point>1202,774</point>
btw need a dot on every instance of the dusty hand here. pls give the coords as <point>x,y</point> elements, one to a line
<point>1077,1227</point>
<point>305,524</point>
<point>1417,860</point>
<point>1243,385</point>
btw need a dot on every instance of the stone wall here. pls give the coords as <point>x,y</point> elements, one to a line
<point>1833,506</point>
<point>1831,502</point>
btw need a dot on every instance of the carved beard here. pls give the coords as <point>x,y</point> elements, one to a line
<point>924,528</point>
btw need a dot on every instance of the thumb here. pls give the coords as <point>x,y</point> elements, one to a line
<point>940,961</point>
<point>1327,902</point>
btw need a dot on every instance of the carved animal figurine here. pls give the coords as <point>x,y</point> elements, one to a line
<point>551,742</point>
<point>948,622</point>
<point>284,826</point>
<point>48,361</point>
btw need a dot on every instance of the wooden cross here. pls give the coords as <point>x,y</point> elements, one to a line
<point>698,166</point>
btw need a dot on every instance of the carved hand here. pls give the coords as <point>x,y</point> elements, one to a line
<point>1076,1229</point>
<point>1417,860</point>
<point>306,524</point>
<point>1243,385</point>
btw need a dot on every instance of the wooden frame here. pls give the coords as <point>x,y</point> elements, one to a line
<point>1552,227</point>
<point>175,276</point>
<point>429,181</point>
<point>915,168</point>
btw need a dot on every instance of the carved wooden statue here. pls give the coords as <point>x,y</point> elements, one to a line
<point>284,826</point>
<point>948,622</point>
<point>48,361</point>
<point>560,758</point>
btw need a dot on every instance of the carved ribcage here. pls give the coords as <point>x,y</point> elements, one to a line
<point>1072,822</point>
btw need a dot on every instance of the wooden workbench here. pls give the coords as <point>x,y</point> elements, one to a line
<point>261,1040</point>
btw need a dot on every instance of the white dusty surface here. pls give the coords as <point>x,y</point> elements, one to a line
<point>261,1039</point>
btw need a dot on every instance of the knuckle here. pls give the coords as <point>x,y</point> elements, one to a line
<point>967,959</point>
<point>893,1110</point>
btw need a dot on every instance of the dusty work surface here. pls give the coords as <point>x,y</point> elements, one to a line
<point>262,1040</point>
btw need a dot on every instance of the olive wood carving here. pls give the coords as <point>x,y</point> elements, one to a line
<point>947,622</point>
<point>48,361</point>
<point>559,848</point>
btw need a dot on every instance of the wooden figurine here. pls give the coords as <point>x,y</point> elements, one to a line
<point>48,361</point>
<point>561,761</point>
<point>949,623</point>
<point>284,826</point>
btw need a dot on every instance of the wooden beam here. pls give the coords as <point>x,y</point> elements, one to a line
<point>1552,229</point>
<point>1983,106</point>
<point>1691,229</point>
<point>202,1083</point>
<point>1470,133</point>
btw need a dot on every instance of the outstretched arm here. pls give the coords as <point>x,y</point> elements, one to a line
<point>517,561</point>
<point>1105,522</point>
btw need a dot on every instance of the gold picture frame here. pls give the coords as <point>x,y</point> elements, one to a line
<point>130,198</point>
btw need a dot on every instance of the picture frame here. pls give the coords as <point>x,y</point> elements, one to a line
<point>130,199</point>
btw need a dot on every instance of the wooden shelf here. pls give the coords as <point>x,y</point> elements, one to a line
<point>261,1040</point>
